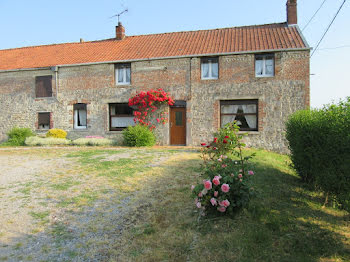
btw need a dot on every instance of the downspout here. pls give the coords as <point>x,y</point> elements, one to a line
<point>55,69</point>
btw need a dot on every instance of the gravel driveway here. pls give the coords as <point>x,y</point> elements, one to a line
<point>69,204</point>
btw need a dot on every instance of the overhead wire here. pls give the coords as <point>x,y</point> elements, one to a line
<point>314,15</point>
<point>329,26</point>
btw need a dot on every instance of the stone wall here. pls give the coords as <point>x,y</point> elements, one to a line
<point>278,96</point>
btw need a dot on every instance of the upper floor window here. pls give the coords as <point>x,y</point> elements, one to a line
<point>264,65</point>
<point>245,112</point>
<point>122,74</point>
<point>210,68</point>
<point>44,120</point>
<point>80,116</point>
<point>120,116</point>
<point>43,86</point>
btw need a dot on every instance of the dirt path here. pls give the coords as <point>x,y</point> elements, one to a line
<point>59,205</point>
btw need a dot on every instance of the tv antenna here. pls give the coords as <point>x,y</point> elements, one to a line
<point>118,15</point>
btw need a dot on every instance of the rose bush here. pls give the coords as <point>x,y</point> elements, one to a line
<point>147,105</point>
<point>227,186</point>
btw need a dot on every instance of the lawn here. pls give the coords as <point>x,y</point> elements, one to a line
<point>99,204</point>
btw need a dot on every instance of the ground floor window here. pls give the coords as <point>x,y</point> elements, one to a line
<point>120,116</point>
<point>44,120</point>
<point>80,116</point>
<point>245,112</point>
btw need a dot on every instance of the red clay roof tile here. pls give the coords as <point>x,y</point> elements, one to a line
<point>216,41</point>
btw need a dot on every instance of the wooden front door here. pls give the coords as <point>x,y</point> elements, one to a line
<point>178,126</point>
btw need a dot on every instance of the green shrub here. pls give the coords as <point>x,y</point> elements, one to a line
<point>40,141</point>
<point>92,142</point>
<point>18,135</point>
<point>138,136</point>
<point>56,133</point>
<point>319,141</point>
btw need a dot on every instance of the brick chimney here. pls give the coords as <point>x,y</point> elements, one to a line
<point>292,15</point>
<point>119,31</point>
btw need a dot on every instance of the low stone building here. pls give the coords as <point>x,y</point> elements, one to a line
<point>257,75</point>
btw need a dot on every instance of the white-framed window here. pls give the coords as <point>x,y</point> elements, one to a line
<point>210,68</point>
<point>80,116</point>
<point>122,74</point>
<point>264,65</point>
<point>244,112</point>
<point>120,116</point>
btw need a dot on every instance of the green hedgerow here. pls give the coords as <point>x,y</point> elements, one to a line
<point>139,136</point>
<point>56,133</point>
<point>319,141</point>
<point>18,135</point>
<point>40,141</point>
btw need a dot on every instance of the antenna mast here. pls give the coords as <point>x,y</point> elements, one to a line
<point>118,15</point>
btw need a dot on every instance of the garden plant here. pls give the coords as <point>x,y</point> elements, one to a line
<point>226,187</point>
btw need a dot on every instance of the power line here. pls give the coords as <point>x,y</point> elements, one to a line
<point>328,27</point>
<point>314,15</point>
<point>337,47</point>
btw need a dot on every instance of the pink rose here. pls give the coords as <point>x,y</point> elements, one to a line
<point>225,203</point>
<point>216,180</point>
<point>240,180</point>
<point>224,157</point>
<point>216,193</point>
<point>233,175</point>
<point>199,204</point>
<point>213,201</point>
<point>223,166</point>
<point>222,209</point>
<point>220,160</point>
<point>200,194</point>
<point>192,187</point>
<point>207,185</point>
<point>240,170</point>
<point>225,188</point>
<point>239,175</point>
<point>250,172</point>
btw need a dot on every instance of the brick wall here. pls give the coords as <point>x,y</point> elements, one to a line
<point>94,85</point>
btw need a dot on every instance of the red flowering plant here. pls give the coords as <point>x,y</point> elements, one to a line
<point>227,186</point>
<point>147,105</point>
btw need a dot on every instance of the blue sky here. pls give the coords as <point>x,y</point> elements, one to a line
<point>38,22</point>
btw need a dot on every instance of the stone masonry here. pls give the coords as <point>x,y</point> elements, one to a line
<point>278,96</point>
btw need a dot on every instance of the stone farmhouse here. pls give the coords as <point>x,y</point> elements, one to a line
<point>257,75</point>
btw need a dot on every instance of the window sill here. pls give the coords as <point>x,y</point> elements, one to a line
<point>264,76</point>
<point>209,79</point>
<point>80,130</point>
<point>123,84</point>
<point>249,132</point>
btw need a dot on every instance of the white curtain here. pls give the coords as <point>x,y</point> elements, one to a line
<point>127,75</point>
<point>215,69</point>
<point>120,75</point>
<point>82,117</point>
<point>269,66</point>
<point>229,109</point>
<point>122,121</point>
<point>258,67</point>
<point>205,70</point>
<point>251,119</point>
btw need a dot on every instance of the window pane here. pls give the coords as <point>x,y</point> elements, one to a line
<point>178,119</point>
<point>251,121</point>
<point>258,67</point>
<point>229,109</point>
<point>205,70</point>
<point>227,119</point>
<point>122,121</point>
<point>127,69</point>
<point>269,67</point>
<point>82,117</point>
<point>120,75</point>
<point>215,70</point>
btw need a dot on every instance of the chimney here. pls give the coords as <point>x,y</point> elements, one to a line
<point>120,31</point>
<point>292,16</point>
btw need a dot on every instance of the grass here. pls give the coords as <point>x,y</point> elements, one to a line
<point>285,222</point>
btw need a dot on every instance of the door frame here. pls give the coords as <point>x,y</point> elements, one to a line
<point>178,104</point>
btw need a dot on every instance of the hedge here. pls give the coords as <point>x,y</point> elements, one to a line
<point>319,142</point>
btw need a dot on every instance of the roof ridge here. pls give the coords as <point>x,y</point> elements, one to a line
<point>134,36</point>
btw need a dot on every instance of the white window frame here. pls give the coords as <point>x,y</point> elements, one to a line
<point>210,62</point>
<point>263,58</point>
<point>122,69</point>
<point>76,126</point>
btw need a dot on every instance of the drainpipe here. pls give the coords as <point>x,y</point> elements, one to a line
<point>55,69</point>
